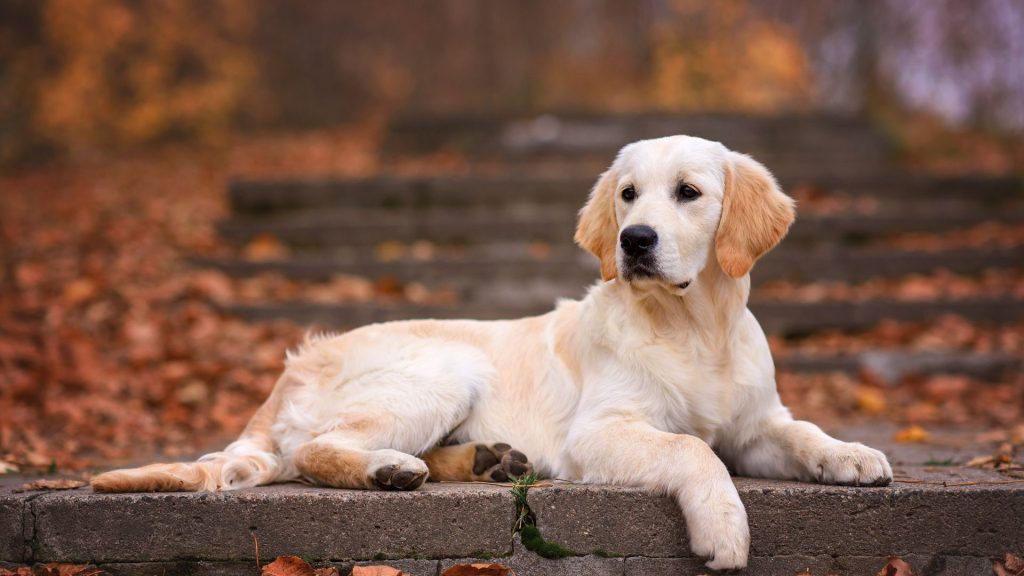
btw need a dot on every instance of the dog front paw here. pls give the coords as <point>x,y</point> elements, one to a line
<point>718,531</point>
<point>852,464</point>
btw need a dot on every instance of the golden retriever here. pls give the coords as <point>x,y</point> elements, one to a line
<point>660,377</point>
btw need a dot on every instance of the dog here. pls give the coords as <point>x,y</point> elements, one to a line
<point>659,378</point>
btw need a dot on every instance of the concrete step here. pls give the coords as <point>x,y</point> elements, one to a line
<point>892,365</point>
<point>338,227</point>
<point>256,196</point>
<point>572,136</point>
<point>574,268</point>
<point>945,520</point>
<point>776,317</point>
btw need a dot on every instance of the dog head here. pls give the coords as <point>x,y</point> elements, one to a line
<point>667,206</point>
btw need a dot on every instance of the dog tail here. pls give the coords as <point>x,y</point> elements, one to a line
<point>252,460</point>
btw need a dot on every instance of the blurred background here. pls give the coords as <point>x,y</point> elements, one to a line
<point>187,187</point>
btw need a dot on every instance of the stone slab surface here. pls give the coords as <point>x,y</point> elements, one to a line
<point>975,513</point>
<point>438,521</point>
<point>15,519</point>
<point>12,529</point>
<point>950,520</point>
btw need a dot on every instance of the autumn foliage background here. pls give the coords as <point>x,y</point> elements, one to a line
<point>120,123</point>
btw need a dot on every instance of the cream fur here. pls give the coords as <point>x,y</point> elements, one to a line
<point>641,383</point>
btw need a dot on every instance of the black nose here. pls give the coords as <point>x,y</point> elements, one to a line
<point>638,240</point>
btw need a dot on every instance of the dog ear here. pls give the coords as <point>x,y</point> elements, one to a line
<point>597,231</point>
<point>756,215</point>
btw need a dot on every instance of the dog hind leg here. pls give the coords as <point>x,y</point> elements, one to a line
<point>476,462</point>
<point>334,460</point>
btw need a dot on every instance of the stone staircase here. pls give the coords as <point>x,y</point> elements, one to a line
<point>500,234</point>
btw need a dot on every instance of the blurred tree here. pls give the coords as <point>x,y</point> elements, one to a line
<point>726,56</point>
<point>83,74</point>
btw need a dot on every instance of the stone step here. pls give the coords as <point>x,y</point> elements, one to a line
<point>574,268</point>
<point>331,227</point>
<point>575,135</point>
<point>255,196</point>
<point>891,366</point>
<point>776,317</point>
<point>943,520</point>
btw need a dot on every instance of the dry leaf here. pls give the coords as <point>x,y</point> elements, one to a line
<point>59,484</point>
<point>288,566</point>
<point>870,400</point>
<point>540,250</point>
<point>377,571</point>
<point>478,570</point>
<point>911,434</point>
<point>896,567</point>
<point>265,247</point>
<point>19,571</point>
<point>389,251</point>
<point>55,569</point>
<point>1010,566</point>
<point>981,462</point>
<point>327,571</point>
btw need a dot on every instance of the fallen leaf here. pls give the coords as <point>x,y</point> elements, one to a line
<point>540,250</point>
<point>327,571</point>
<point>1010,566</point>
<point>60,484</point>
<point>478,570</point>
<point>911,434</point>
<point>265,247</point>
<point>1001,460</point>
<point>389,251</point>
<point>870,400</point>
<point>19,571</point>
<point>896,567</point>
<point>981,462</point>
<point>377,571</point>
<point>78,291</point>
<point>288,566</point>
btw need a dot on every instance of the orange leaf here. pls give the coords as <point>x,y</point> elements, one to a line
<point>911,434</point>
<point>59,484</point>
<point>376,571</point>
<point>266,247</point>
<point>479,570</point>
<point>870,400</point>
<point>1010,566</point>
<point>288,566</point>
<point>896,567</point>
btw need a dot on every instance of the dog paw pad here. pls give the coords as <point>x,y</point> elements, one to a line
<point>499,462</point>
<point>394,477</point>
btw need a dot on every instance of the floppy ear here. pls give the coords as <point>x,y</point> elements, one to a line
<point>755,215</point>
<point>597,231</point>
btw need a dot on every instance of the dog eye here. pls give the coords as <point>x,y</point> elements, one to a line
<point>685,192</point>
<point>629,193</point>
